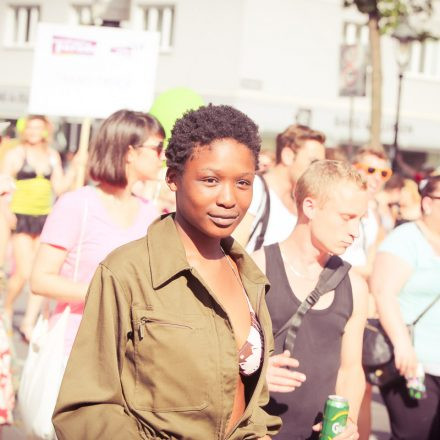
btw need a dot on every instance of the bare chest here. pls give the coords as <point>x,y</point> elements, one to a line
<point>230,294</point>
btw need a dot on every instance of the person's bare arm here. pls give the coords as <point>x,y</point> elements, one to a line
<point>4,235</point>
<point>12,162</point>
<point>62,181</point>
<point>351,380</point>
<point>45,278</point>
<point>389,276</point>
<point>9,168</point>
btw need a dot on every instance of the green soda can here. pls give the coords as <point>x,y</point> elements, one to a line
<point>335,417</point>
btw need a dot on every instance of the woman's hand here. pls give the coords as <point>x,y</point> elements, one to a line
<point>279,377</point>
<point>405,358</point>
<point>80,159</point>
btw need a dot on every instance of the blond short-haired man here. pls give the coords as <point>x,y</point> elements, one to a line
<point>331,198</point>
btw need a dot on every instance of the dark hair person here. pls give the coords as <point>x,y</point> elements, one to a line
<point>108,157</point>
<point>90,222</point>
<point>176,333</point>
<point>404,283</point>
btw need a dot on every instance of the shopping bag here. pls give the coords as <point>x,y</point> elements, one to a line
<point>41,377</point>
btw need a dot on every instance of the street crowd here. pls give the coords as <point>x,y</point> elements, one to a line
<point>185,291</point>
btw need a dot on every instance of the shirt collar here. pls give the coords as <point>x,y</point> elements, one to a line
<point>168,258</point>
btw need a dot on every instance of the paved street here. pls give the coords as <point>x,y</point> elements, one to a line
<point>381,425</point>
<point>15,432</point>
<point>379,415</point>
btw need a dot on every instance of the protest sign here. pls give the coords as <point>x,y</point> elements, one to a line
<point>89,71</point>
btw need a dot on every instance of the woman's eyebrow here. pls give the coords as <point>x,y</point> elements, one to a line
<point>220,170</point>
<point>215,170</point>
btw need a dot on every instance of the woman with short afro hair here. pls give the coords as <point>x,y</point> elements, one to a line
<point>176,331</point>
<point>206,125</point>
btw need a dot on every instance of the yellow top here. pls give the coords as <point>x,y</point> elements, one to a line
<point>32,196</point>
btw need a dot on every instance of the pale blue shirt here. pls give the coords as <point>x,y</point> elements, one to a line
<point>408,243</point>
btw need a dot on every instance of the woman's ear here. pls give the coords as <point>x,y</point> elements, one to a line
<point>172,178</point>
<point>130,155</point>
<point>426,205</point>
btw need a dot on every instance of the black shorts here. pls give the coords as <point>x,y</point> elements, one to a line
<point>412,419</point>
<point>30,224</point>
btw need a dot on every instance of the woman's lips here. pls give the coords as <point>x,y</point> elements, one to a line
<point>224,221</point>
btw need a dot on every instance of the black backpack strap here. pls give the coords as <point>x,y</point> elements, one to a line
<point>263,220</point>
<point>332,275</point>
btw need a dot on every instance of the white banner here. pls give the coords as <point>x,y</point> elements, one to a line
<point>88,71</point>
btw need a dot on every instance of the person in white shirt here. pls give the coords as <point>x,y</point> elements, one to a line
<point>272,215</point>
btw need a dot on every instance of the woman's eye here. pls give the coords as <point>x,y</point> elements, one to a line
<point>244,183</point>
<point>210,180</point>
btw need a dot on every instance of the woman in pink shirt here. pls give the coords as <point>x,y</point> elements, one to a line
<point>98,219</point>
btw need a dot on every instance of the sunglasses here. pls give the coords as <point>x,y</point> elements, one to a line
<point>429,179</point>
<point>384,173</point>
<point>156,147</point>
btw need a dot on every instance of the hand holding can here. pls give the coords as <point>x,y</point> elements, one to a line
<point>335,417</point>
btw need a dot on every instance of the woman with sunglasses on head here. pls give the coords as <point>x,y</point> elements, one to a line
<point>87,224</point>
<point>405,281</point>
<point>176,331</point>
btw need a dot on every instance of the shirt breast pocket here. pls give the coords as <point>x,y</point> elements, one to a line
<point>170,355</point>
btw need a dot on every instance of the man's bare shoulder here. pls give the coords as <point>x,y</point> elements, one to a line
<point>260,259</point>
<point>360,289</point>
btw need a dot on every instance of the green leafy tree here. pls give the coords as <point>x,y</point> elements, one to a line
<point>383,18</point>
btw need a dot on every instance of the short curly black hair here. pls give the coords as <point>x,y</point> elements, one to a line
<point>201,127</point>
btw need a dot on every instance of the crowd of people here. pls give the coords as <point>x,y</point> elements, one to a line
<point>204,316</point>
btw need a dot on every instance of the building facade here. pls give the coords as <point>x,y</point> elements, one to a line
<point>278,61</point>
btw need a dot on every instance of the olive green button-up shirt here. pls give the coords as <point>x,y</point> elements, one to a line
<point>155,356</point>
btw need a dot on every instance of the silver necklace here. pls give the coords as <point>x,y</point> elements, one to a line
<point>293,270</point>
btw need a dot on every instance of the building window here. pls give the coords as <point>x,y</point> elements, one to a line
<point>21,25</point>
<point>355,33</point>
<point>425,58</point>
<point>81,15</point>
<point>159,19</point>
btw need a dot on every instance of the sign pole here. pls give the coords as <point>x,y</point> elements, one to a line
<point>83,150</point>
<point>350,128</point>
<point>352,82</point>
